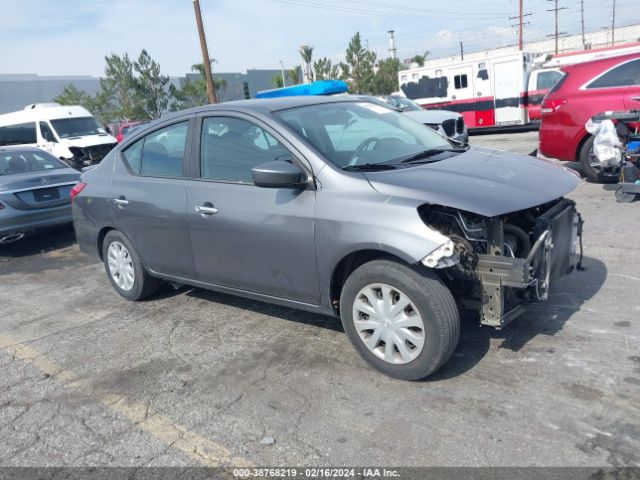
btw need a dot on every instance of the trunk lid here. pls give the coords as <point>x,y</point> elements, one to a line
<point>37,190</point>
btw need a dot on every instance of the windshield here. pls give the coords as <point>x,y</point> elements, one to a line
<point>351,134</point>
<point>76,127</point>
<point>404,104</point>
<point>23,162</point>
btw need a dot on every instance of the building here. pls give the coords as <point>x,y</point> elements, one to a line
<point>18,90</point>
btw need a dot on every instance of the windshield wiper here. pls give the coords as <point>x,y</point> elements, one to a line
<point>369,166</point>
<point>430,153</point>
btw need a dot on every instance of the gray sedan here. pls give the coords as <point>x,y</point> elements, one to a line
<point>335,205</point>
<point>35,188</point>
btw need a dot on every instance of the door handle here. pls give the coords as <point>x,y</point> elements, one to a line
<point>206,209</point>
<point>636,98</point>
<point>121,201</point>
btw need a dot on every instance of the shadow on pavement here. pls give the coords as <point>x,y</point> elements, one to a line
<point>298,316</point>
<point>42,241</point>
<point>547,318</point>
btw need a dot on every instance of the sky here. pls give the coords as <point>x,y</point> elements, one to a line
<point>71,37</point>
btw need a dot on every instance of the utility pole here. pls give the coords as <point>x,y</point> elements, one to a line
<point>557,33</point>
<point>584,44</point>
<point>613,24</point>
<point>461,52</point>
<point>392,44</point>
<point>521,24</point>
<point>206,59</point>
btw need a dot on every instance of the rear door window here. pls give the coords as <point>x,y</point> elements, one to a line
<point>623,75</point>
<point>161,153</point>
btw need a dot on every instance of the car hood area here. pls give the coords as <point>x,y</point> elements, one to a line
<point>482,180</point>
<point>432,116</point>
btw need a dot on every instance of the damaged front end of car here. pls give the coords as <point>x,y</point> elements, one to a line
<point>498,265</point>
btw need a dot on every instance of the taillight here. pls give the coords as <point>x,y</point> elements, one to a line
<point>553,105</point>
<point>77,188</point>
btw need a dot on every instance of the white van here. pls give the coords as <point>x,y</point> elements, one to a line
<point>70,133</point>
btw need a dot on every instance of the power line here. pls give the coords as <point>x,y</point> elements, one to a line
<point>377,13</point>
<point>556,33</point>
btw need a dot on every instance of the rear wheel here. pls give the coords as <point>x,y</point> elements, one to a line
<point>592,170</point>
<point>124,269</point>
<point>402,320</point>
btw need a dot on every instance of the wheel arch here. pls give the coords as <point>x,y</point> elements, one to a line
<point>100,240</point>
<point>351,262</point>
<point>581,143</point>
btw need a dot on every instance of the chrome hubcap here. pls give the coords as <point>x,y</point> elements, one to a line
<point>120,265</point>
<point>388,323</point>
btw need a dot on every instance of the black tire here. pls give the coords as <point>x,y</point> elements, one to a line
<point>144,285</point>
<point>434,303</point>
<point>591,173</point>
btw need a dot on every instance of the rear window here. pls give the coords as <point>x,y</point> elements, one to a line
<point>18,134</point>
<point>621,76</point>
<point>12,163</point>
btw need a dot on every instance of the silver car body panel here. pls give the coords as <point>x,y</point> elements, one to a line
<point>284,245</point>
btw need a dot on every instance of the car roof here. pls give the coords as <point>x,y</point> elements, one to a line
<point>268,105</point>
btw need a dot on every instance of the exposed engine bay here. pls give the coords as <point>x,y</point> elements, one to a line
<point>496,265</point>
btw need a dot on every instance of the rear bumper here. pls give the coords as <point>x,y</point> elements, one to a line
<point>509,283</point>
<point>23,221</point>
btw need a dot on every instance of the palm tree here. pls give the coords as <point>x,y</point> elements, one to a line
<point>294,75</point>
<point>306,52</point>
<point>420,59</point>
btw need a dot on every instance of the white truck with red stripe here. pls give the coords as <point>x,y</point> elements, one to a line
<point>493,89</point>
<point>487,90</point>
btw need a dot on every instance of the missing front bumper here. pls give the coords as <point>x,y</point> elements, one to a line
<point>508,283</point>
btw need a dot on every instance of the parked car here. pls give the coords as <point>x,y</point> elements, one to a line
<point>449,124</point>
<point>35,188</point>
<point>585,90</point>
<point>68,132</point>
<point>390,227</point>
<point>124,128</point>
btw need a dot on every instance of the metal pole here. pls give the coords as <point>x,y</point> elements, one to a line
<point>584,44</point>
<point>461,52</point>
<point>556,34</point>
<point>206,59</point>
<point>521,27</point>
<point>613,24</point>
<point>284,82</point>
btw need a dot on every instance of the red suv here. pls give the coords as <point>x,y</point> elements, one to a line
<point>585,90</point>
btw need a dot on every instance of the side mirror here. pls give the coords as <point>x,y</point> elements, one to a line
<point>277,174</point>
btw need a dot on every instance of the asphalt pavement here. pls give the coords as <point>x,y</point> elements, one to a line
<point>198,378</point>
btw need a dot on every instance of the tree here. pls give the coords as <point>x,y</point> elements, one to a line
<point>193,92</point>
<point>119,89</point>
<point>325,70</point>
<point>385,80</point>
<point>358,66</point>
<point>276,81</point>
<point>294,75</point>
<point>151,86</point>
<point>306,52</point>
<point>420,59</point>
<point>71,95</point>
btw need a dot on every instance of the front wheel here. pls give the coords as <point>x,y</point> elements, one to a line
<point>402,320</point>
<point>592,170</point>
<point>124,269</point>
